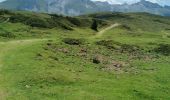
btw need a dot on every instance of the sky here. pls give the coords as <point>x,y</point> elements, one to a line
<point>161,2</point>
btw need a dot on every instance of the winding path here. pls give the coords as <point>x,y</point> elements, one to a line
<point>100,33</point>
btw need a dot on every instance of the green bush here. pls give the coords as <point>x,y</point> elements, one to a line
<point>37,22</point>
<point>126,27</point>
<point>59,21</point>
<point>163,49</point>
<point>72,41</point>
<point>18,18</point>
<point>129,48</point>
<point>74,21</point>
<point>7,34</point>
<point>4,11</point>
<point>31,21</point>
<point>108,43</point>
<point>94,25</point>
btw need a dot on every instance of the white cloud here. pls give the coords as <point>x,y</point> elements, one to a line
<point>2,0</point>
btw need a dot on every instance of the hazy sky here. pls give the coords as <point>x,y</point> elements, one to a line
<point>161,2</point>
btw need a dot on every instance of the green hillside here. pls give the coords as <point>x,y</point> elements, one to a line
<point>104,56</point>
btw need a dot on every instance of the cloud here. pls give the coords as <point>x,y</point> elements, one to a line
<point>2,0</point>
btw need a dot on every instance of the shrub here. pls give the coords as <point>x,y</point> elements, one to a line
<point>72,41</point>
<point>74,21</point>
<point>4,11</point>
<point>55,21</point>
<point>97,59</point>
<point>65,26</point>
<point>36,22</point>
<point>16,18</point>
<point>94,25</point>
<point>129,48</point>
<point>167,29</point>
<point>7,34</point>
<point>31,21</point>
<point>126,27</point>
<point>108,43</point>
<point>163,49</point>
<point>161,21</point>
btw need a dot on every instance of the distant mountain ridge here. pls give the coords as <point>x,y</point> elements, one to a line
<point>79,7</point>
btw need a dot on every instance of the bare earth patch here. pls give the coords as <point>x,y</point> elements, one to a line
<point>2,95</point>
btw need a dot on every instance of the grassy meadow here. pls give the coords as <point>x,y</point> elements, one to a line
<point>51,57</point>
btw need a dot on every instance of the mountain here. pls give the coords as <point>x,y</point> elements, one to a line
<point>79,7</point>
<point>65,7</point>
<point>143,6</point>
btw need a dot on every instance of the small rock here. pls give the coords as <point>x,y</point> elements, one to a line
<point>28,86</point>
<point>97,59</point>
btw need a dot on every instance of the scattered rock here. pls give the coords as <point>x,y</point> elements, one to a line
<point>82,54</point>
<point>97,59</point>
<point>83,50</point>
<point>64,50</point>
<point>118,64</point>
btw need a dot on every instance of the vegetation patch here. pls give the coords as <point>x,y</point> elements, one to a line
<point>6,34</point>
<point>97,59</point>
<point>33,21</point>
<point>124,48</point>
<point>118,66</point>
<point>47,79</point>
<point>72,41</point>
<point>126,27</point>
<point>161,21</point>
<point>163,49</point>
<point>130,48</point>
<point>94,25</point>
<point>110,44</point>
<point>4,11</point>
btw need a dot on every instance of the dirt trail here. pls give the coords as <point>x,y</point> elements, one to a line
<point>6,47</point>
<point>100,33</point>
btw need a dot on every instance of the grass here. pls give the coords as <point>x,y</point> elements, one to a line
<point>45,63</point>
